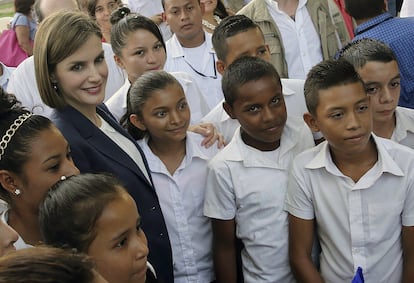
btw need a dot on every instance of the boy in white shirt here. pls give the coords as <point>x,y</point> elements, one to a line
<point>230,42</point>
<point>247,180</point>
<point>356,190</point>
<point>377,66</point>
<point>190,50</point>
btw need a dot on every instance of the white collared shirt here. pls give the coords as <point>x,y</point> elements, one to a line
<point>20,243</point>
<point>5,77</point>
<point>294,100</point>
<point>24,86</point>
<point>181,198</point>
<point>358,224</point>
<point>117,104</point>
<point>207,77</point>
<point>300,39</point>
<point>404,127</point>
<point>249,186</point>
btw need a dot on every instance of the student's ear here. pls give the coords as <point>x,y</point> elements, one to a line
<point>311,122</point>
<point>229,110</point>
<point>119,62</point>
<point>202,7</point>
<point>164,17</point>
<point>221,66</point>
<point>385,7</point>
<point>8,181</point>
<point>137,122</point>
<point>53,78</point>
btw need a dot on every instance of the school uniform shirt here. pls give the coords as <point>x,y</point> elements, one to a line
<point>5,77</point>
<point>294,100</point>
<point>117,104</point>
<point>181,198</point>
<point>200,63</point>
<point>20,243</point>
<point>97,150</point>
<point>404,126</point>
<point>358,224</point>
<point>249,185</point>
<point>23,83</point>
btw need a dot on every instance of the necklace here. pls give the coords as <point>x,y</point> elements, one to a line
<point>208,25</point>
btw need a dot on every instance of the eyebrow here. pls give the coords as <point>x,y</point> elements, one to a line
<point>375,82</point>
<point>56,156</point>
<point>123,233</point>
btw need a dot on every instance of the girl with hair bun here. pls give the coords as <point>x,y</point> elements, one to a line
<point>33,156</point>
<point>139,48</point>
<point>94,214</point>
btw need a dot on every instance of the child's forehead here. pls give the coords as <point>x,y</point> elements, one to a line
<point>256,89</point>
<point>341,95</point>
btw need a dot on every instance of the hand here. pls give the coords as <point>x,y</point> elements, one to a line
<point>157,19</point>
<point>210,133</point>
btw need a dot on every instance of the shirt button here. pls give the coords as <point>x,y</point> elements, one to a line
<point>153,208</point>
<point>161,234</point>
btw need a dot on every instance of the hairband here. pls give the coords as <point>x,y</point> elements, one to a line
<point>5,140</point>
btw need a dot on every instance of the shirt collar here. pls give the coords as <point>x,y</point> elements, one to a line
<point>402,125</point>
<point>274,5</point>
<point>371,23</point>
<point>176,50</point>
<point>323,159</point>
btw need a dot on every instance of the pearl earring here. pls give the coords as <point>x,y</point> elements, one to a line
<point>17,192</point>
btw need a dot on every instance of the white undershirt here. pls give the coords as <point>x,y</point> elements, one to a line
<point>300,39</point>
<point>126,145</point>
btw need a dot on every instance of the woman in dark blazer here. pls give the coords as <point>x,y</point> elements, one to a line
<point>71,74</point>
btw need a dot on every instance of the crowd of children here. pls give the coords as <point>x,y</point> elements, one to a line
<point>227,154</point>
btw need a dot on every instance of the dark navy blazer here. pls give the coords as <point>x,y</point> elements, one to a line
<point>93,151</point>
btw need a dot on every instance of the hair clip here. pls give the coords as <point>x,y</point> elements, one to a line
<point>5,140</point>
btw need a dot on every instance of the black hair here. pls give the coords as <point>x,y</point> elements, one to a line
<point>325,75</point>
<point>242,71</point>
<point>23,6</point>
<point>220,10</point>
<point>123,23</point>
<point>362,51</point>
<point>364,9</point>
<point>229,27</point>
<point>46,265</point>
<point>71,208</point>
<point>16,149</point>
<point>142,89</point>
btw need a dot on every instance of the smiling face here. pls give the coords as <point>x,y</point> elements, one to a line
<point>184,18</point>
<point>382,82</point>
<point>344,117</point>
<point>49,160</point>
<point>260,109</point>
<point>143,52</point>
<point>81,77</point>
<point>103,10</point>
<point>120,246</point>
<point>165,115</point>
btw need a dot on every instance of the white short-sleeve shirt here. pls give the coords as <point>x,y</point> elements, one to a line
<point>358,224</point>
<point>201,67</point>
<point>117,104</point>
<point>404,126</point>
<point>181,198</point>
<point>249,186</point>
